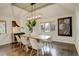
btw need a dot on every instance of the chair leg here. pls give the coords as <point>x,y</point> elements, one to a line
<point>31,52</point>
<point>20,44</point>
<point>17,44</point>
<point>26,48</point>
<point>42,50</point>
<point>37,52</point>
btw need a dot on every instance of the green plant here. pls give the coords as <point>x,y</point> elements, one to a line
<point>30,24</point>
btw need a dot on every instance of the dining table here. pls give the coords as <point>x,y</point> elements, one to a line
<point>46,40</point>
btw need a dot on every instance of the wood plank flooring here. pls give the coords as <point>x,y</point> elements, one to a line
<point>58,49</point>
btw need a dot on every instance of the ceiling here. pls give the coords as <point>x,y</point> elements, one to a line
<point>29,7</point>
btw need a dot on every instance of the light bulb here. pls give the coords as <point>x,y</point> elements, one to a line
<point>33,17</point>
<point>38,15</point>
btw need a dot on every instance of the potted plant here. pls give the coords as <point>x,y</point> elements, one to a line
<point>31,24</point>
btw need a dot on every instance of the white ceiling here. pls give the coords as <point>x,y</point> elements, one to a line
<point>53,10</point>
<point>57,10</point>
<point>47,12</point>
<point>29,7</point>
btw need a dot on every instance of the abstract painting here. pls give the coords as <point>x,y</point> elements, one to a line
<point>65,26</point>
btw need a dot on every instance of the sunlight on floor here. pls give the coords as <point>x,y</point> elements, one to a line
<point>47,49</point>
<point>53,52</point>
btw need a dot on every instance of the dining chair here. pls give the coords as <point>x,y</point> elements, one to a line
<point>19,40</point>
<point>35,45</point>
<point>25,42</point>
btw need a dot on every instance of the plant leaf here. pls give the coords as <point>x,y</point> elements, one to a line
<point>29,21</point>
<point>29,27</point>
<point>33,23</point>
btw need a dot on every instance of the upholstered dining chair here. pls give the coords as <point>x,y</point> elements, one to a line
<point>35,45</point>
<point>25,42</point>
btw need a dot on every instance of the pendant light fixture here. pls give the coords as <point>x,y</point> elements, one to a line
<point>33,14</point>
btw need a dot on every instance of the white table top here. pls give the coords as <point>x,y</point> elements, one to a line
<point>39,37</point>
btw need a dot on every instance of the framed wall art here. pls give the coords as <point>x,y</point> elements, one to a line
<point>65,26</point>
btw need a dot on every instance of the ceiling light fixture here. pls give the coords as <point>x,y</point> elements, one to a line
<point>33,15</point>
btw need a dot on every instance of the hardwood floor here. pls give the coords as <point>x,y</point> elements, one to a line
<point>57,49</point>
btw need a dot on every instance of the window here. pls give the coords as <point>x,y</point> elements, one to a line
<point>2,26</point>
<point>47,27</point>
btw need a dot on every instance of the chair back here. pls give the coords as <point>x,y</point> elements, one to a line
<point>24,40</point>
<point>18,39</point>
<point>34,43</point>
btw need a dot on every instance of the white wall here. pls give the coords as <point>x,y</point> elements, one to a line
<point>77,31</point>
<point>6,38</point>
<point>6,14</point>
<point>9,13</point>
